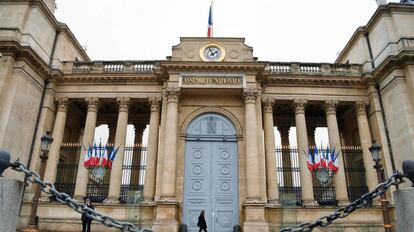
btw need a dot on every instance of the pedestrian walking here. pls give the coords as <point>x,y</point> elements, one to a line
<point>86,221</point>
<point>202,222</point>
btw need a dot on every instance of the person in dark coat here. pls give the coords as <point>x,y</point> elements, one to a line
<point>86,221</point>
<point>202,222</point>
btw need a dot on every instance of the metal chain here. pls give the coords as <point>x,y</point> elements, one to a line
<point>64,198</point>
<point>48,188</point>
<point>364,200</point>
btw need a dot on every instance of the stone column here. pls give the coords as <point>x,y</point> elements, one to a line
<point>366,142</point>
<point>271,181</point>
<point>88,134</point>
<point>111,130</point>
<point>302,140</point>
<point>311,135</point>
<point>58,132</point>
<point>136,156</point>
<point>149,185</point>
<point>286,160</point>
<point>252,156</point>
<point>335,142</point>
<point>120,138</point>
<point>170,145</point>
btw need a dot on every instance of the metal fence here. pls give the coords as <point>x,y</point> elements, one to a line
<point>288,176</point>
<point>67,167</point>
<point>133,173</point>
<point>354,171</point>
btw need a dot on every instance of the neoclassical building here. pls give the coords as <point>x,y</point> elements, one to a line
<point>210,110</point>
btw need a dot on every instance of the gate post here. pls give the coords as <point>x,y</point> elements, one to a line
<point>10,198</point>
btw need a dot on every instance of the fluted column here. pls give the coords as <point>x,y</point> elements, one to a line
<point>170,145</point>
<point>286,160</point>
<point>365,139</point>
<point>136,156</point>
<point>311,135</point>
<point>88,134</point>
<point>335,143</point>
<point>302,140</point>
<point>252,156</point>
<point>58,132</point>
<point>120,138</point>
<point>111,132</point>
<point>271,181</point>
<point>151,166</point>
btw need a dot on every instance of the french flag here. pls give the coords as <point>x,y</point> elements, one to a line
<point>104,160</point>
<point>88,156</point>
<point>311,160</point>
<point>333,161</point>
<point>112,157</point>
<point>210,22</point>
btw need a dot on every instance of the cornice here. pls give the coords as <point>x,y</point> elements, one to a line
<point>176,66</point>
<point>306,81</point>
<point>393,62</point>
<point>25,53</point>
<point>108,78</point>
<point>380,12</point>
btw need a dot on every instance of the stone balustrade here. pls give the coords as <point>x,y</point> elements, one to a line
<point>314,68</point>
<point>112,67</point>
<point>150,66</point>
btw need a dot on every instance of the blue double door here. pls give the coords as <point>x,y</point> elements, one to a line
<point>211,184</point>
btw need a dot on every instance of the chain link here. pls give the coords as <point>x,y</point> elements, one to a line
<point>364,200</point>
<point>64,198</point>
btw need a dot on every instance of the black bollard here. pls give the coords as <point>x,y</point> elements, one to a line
<point>183,228</point>
<point>4,161</point>
<point>408,170</point>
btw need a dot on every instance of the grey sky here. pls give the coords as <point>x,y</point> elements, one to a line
<point>278,30</point>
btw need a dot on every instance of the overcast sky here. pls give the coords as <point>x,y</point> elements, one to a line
<point>278,30</point>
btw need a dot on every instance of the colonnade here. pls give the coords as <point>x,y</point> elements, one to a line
<point>119,138</point>
<point>170,141</point>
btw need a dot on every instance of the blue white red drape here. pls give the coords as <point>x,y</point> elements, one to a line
<point>322,158</point>
<point>99,156</point>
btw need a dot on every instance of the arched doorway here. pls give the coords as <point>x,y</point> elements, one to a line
<point>211,176</point>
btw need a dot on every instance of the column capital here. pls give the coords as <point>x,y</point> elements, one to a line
<point>330,107</point>
<point>93,104</point>
<point>62,104</point>
<point>139,128</point>
<point>268,105</point>
<point>173,94</point>
<point>124,103</point>
<point>250,95</point>
<point>299,105</point>
<point>283,129</point>
<point>155,103</point>
<point>361,107</point>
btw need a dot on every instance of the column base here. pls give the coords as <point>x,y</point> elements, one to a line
<point>166,216</point>
<point>255,220</point>
<point>31,228</point>
<point>111,200</point>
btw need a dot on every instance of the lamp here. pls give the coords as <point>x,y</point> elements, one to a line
<point>375,153</point>
<point>375,150</point>
<point>46,140</point>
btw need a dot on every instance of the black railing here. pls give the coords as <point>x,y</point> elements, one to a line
<point>324,194</point>
<point>288,176</point>
<point>133,174</point>
<point>67,168</point>
<point>355,172</point>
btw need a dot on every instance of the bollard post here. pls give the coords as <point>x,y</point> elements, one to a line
<point>10,198</point>
<point>404,200</point>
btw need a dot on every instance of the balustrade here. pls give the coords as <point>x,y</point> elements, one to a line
<point>114,67</point>
<point>314,68</point>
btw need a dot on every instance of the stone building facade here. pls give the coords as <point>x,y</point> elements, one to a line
<point>210,109</point>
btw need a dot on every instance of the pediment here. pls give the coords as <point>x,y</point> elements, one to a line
<point>191,49</point>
